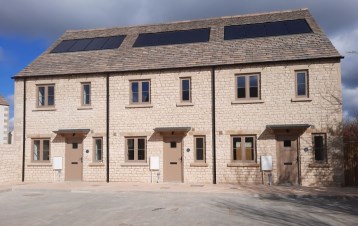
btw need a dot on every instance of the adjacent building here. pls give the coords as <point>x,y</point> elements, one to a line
<point>4,120</point>
<point>210,98</point>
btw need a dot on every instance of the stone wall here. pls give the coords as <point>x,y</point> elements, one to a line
<point>277,106</point>
<point>10,163</point>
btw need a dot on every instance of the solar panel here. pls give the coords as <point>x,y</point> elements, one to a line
<point>97,44</point>
<point>113,42</point>
<point>277,28</point>
<point>298,26</point>
<point>64,46</point>
<point>80,45</point>
<point>88,44</point>
<point>173,37</point>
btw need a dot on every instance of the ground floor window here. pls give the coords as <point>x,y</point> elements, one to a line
<point>41,150</point>
<point>199,146</point>
<point>319,147</point>
<point>98,149</point>
<point>136,149</point>
<point>243,148</point>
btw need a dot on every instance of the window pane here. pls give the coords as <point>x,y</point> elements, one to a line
<point>145,86</point>
<point>249,148</point>
<point>41,96</point>
<point>254,92</point>
<point>98,154</point>
<point>237,148</point>
<point>199,142</point>
<point>287,143</point>
<point>51,95</point>
<point>130,146</point>
<point>241,82</point>
<point>141,154</point>
<point>241,93</point>
<point>135,87</point>
<point>185,84</point>
<point>36,150</point>
<point>253,81</point>
<point>301,89</point>
<point>46,150</point>
<point>254,86</point>
<point>301,78</point>
<point>134,97</point>
<point>145,96</point>
<point>319,148</point>
<point>141,143</point>
<point>199,154</point>
<point>186,95</point>
<point>86,93</point>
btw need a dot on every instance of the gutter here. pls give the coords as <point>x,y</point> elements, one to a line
<point>213,122</point>
<point>24,133</point>
<point>107,125</point>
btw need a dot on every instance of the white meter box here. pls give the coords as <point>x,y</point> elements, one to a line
<point>154,163</point>
<point>266,163</point>
<point>57,163</point>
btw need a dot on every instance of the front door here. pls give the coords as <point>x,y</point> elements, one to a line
<point>73,159</point>
<point>172,164</point>
<point>287,161</point>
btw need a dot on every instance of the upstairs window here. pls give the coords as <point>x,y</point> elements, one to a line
<point>86,94</point>
<point>301,84</point>
<point>140,92</point>
<point>247,87</point>
<point>185,89</point>
<point>45,95</point>
<point>319,147</point>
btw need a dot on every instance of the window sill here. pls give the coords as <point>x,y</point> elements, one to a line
<point>303,99</point>
<point>139,106</point>
<point>135,164</point>
<point>318,165</point>
<point>199,164</point>
<point>85,108</point>
<point>185,104</point>
<point>44,109</point>
<point>243,164</point>
<point>247,102</point>
<point>40,164</point>
<point>96,164</point>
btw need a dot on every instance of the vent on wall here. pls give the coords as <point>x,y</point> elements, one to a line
<point>287,27</point>
<point>88,44</point>
<point>173,37</point>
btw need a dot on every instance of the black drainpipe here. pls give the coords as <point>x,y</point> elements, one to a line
<point>107,126</point>
<point>24,133</point>
<point>213,122</point>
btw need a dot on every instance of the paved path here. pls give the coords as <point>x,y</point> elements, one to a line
<point>168,204</point>
<point>289,191</point>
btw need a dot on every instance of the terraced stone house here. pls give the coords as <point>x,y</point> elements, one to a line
<point>208,97</point>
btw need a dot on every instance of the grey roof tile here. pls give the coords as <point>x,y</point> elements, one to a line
<point>215,52</point>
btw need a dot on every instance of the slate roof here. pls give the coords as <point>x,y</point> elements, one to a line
<point>217,51</point>
<point>3,101</point>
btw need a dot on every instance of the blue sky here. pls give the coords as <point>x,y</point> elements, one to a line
<point>28,27</point>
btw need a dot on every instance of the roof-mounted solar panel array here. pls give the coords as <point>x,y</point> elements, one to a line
<point>287,27</point>
<point>88,44</point>
<point>172,37</point>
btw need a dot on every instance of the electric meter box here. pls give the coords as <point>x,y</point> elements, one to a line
<point>154,163</point>
<point>266,163</point>
<point>57,163</point>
